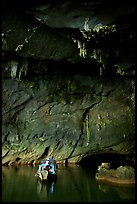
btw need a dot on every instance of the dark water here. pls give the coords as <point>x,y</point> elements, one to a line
<point>73,184</point>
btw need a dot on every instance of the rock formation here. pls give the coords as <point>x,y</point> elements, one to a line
<point>68,80</point>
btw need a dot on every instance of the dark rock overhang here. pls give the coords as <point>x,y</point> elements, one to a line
<point>89,32</point>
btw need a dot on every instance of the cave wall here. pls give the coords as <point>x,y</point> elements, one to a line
<point>68,86</point>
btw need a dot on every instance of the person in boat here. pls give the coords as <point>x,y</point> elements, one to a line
<point>49,165</point>
<point>44,165</point>
<point>52,165</point>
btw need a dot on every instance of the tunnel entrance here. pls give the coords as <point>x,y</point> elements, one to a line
<point>114,159</point>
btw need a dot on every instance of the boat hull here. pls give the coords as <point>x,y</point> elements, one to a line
<point>45,175</point>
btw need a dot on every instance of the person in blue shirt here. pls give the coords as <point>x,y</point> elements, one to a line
<point>52,164</point>
<point>52,169</point>
<point>49,165</point>
<point>43,165</point>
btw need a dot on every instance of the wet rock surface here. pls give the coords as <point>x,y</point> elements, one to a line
<point>121,175</point>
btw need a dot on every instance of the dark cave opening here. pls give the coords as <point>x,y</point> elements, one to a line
<point>115,160</point>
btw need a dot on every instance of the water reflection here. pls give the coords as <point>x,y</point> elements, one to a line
<point>73,184</point>
<point>125,192</point>
<point>45,188</point>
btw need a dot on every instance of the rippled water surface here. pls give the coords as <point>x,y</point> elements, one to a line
<point>73,184</point>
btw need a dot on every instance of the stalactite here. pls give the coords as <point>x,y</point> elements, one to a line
<point>86,127</point>
<point>86,26</point>
<point>24,68</point>
<point>14,67</point>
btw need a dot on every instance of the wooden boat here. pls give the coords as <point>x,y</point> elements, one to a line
<point>47,169</point>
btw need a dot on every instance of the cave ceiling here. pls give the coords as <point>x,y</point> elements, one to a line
<point>99,32</point>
